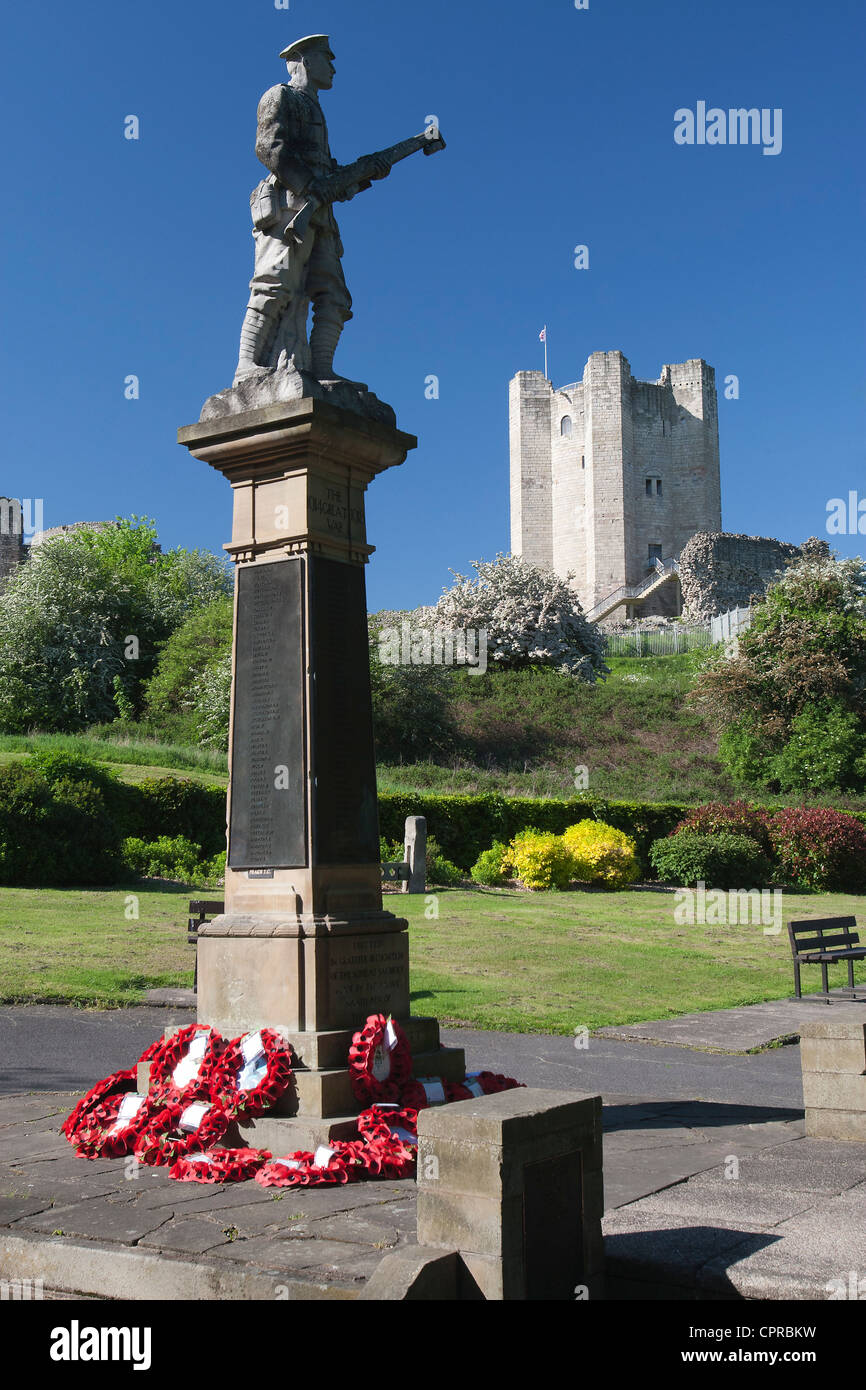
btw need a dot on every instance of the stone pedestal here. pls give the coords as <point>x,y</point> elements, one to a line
<point>513,1182</point>
<point>833,1058</point>
<point>304,944</point>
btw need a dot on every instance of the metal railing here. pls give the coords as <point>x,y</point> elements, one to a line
<point>627,593</point>
<point>669,641</point>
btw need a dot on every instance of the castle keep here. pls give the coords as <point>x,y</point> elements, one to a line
<point>611,475</point>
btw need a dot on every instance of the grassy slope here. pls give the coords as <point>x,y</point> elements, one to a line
<point>633,732</point>
<point>541,962</point>
<point>133,760</point>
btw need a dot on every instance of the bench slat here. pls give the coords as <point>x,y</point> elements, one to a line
<point>821,923</point>
<point>816,957</point>
<point>827,943</point>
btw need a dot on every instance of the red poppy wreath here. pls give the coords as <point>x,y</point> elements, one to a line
<point>252,1073</point>
<point>380,1062</point>
<point>219,1165</point>
<point>179,1129</point>
<point>181,1066</point>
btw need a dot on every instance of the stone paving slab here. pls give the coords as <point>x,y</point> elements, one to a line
<point>735,1031</point>
<point>327,1239</point>
<point>789,1225</point>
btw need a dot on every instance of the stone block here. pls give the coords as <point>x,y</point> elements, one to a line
<point>827,1090</point>
<point>413,1273</point>
<point>846,1022</point>
<point>447,1062</point>
<point>833,1054</point>
<point>846,1125</point>
<point>514,1182</point>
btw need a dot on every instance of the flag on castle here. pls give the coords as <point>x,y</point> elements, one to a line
<point>542,338</point>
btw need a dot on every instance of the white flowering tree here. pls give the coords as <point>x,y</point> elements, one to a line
<point>530,615</point>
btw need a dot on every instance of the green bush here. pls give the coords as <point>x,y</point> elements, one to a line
<point>55,833</point>
<point>119,797</point>
<point>174,858</point>
<point>440,871</point>
<point>826,750</point>
<point>719,860</point>
<point>165,857</point>
<point>179,806</point>
<point>489,867</point>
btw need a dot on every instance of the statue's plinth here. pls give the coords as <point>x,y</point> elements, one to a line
<point>304,944</point>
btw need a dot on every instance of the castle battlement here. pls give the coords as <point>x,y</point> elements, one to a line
<point>610,473</point>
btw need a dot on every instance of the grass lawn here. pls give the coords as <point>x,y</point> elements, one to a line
<point>519,962</point>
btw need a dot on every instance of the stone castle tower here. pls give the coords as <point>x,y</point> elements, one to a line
<point>610,475</point>
<point>12,548</point>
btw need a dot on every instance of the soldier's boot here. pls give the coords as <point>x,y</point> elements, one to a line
<point>257,335</point>
<point>324,337</point>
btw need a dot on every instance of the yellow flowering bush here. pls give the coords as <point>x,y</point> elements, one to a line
<point>539,860</point>
<point>601,854</point>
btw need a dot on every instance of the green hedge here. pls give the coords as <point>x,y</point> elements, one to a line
<point>462,826</point>
<point>466,825</point>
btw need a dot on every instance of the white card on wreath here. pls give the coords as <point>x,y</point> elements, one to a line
<point>193,1116</point>
<point>252,1047</point>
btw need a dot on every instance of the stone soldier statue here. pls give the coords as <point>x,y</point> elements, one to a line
<point>297,243</point>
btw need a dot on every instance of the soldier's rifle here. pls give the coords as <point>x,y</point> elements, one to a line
<point>356,177</point>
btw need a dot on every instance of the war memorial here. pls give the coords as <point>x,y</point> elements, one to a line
<point>307,1080</point>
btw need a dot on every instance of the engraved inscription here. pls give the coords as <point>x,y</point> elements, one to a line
<point>370,973</point>
<point>268,819</point>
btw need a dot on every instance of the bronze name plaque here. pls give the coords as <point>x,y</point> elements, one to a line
<point>346,821</point>
<point>269,774</point>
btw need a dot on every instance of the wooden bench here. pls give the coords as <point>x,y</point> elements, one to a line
<point>200,911</point>
<point>823,943</point>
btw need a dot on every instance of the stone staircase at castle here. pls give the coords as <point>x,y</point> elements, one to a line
<point>664,572</point>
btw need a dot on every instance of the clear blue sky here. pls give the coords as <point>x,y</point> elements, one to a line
<point>134,257</point>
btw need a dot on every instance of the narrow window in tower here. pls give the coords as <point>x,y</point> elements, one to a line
<point>649,487</point>
<point>582,461</point>
<point>565,425</point>
<point>658,487</point>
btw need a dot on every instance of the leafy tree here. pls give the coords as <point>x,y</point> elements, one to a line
<point>792,703</point>
<point>411,703</point>
<point>211,707</point>
<point>203,638</point>
<point>530,615</point>
<point>81,621</point>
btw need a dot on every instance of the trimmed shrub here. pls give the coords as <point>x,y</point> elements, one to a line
<point>440,870</point>
<point>166,857</point>
<point>719,860</point>
<point>736,817</point>
<point>174,858</point>
<point>539,860</point>
<point>488,868</point>
<point>179,806</point>
<point>820,849</point>
<point>55,833</point>
<point>467,825</point>
<point>601,854</point>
